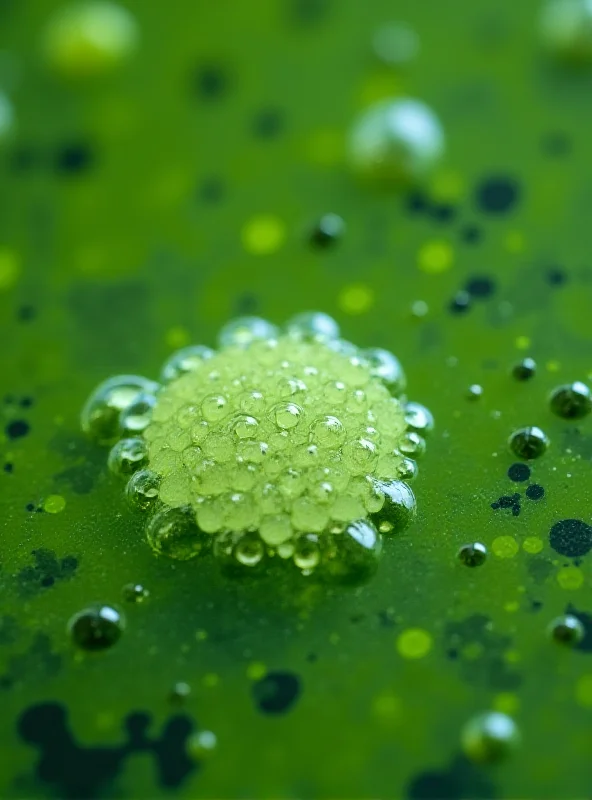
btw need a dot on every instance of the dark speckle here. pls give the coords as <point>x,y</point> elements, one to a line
<point>30,507</point>
<point>17,429</point>
<point>416,203</point>
<point>211,190</point>
<point>268,123</point>
<point>246,303</point>
<point>211,81</point>
<point>8,467</point>
<point>519,472</point>
<point>26,313</point>
<point>74,770</point>
<point>497,194</point>
<point>461,779</point>
<point>535,492</point>
<point>480,286</point>
<point>460,303</point>
<point>312,657</point>
<point>277,692</point>
<point>539,569</point>
<point>45,570</point>
<point>471,234</point>
<point>26,402</point>
<point>442,212</point>
<point>73,158</point>
<point>571,537</point>
<point>556,277</point>
<point>508,501</point>
<point>556,144</point>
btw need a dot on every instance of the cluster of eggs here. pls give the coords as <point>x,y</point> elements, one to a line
<point>291,443</point>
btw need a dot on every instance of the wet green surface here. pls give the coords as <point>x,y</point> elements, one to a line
<point>139,251</point>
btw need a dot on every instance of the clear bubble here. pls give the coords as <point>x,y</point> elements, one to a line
<point>412,444</point>
<point>528,443</point>
<point>567,630</point>
<point>307,552</point>
<point>173,532</point>
<point>101,412</point>
<point>286,415</point>
<point>327,431</point>
<point>396,142</point>
<point>188,359</point>
<point>571,401</point>
<point>142,489</point>
<point>201,745</point>
<point>135,593</point>
<point>387,368</point>
<point>243,331</point>
<point>214,407</point>
<point>418,418</point>
<point>407,470</point>
<point>398,509</point>
<point>249,550</point>
<point>360,456</point>
<point>137,417</point>
<point>472,555</point>
<point>253,403</point>
<point>489,737</point>
<point>96,628</point>
<point>128,456</point>
<point>353,557</point>
<point>313,326</point>
<point>245,427</point>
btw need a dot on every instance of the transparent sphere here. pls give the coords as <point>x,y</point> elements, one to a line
<point>418,418</point>
<point>243,331</point>
<point>142,489</point>
<point>188,359</point>
<point>101,413</point>
<point>387,368</point>
<point>136,417</point>
<point>396,142</point>
<point>352,558</point>
<point>398,509</point>
<point>313,325</point>
<point>128,456</point>
<point>489,737</point>
<point>173,532</point>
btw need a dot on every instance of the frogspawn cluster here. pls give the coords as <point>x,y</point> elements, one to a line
<point>289,443</point>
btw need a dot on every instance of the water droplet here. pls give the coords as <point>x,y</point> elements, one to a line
<point>489,737</point>
<point>307,552</point>
<point>398,509</point>
<point>243,331</point>
<point>412,444</point>
<point>127,456</point>
<point>249,550</point>
<point>472,555</point>
<point>567,630</point>
<point>179,693</point>
<point>474,392</point>
<point>527,443</point>
<point>101,413</point>
<point>214,407</point>
<point>327,432</point>
<point>142,489</point>
<point>286,415</point>
<point>188,359</point>
<point>313,326</point>
<point>134,593</point>
<point>360,456</point>
<point>96,628</point>
<point>173,532</point>
<point>571,401</point>
<point>396,142</point>
<point>419,419</point>
<point>407,469</point>
<point>353,557</point>
<point>245,427</point>
<point>136,417</point>
<point>387,368</point>
<point>329,230</point>
<point>524,370</point>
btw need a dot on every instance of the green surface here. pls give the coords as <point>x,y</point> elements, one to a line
<point>117,257</point>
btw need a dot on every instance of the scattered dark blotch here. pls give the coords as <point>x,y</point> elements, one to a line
<point>387,618</point>
<point>96,628</point>
<point>530,442</point>
<point>556,144</point>
<point>312,657</point>
<point>75,771</point>
<point>277,692</point>
<point>30,507</point>
<point>471,234</point>
<point>9,629</point>
<point>24,159</point>
<point>442,212</point>
<point>571,537</point>
<point>305,13</point>
<point>26,313</point>
<point>524,370</point>
<point>459,781</point>
<point>9,468</point>
<point>460,303</point>
<point>17,428</point>
<point>212,81</point>
<point>480,286</point>
<point>212,190</point>
<point>497,194</point>
<point>328,231</point>
<point>416,203</point>
<point>556,277</point>
<point>536,605</point>
<point>519,472</point>
<point>539,568</point>
<point>508,501</point>
<point>571,401</point>
<point>74,158</point>
<point>88,461</point>
<point>37,663</point>
<point>26,402</point>
<point>535,492</point>
<point>246,303</point>
<point>268,123</point>
<point>489,667</point>
<point>585,645</point>
<point>472,555</point>
<point>45,570</point>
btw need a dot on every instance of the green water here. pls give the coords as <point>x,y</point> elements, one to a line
<point>126,231</point>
